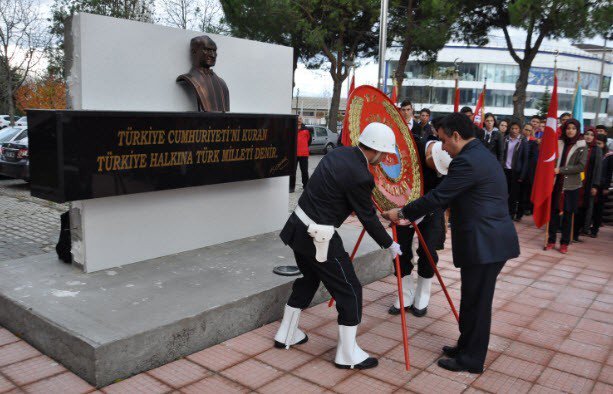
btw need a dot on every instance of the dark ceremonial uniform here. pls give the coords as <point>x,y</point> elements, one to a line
<point>483,239</point>
<point>432,227</point>
<point>212,91</point>
<point>340,184</point>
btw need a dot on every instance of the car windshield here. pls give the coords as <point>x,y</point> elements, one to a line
<point>8,133</point>
<point>23,119</point>
<point>22,135</point>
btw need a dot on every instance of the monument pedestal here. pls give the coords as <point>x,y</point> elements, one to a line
<point>115,323</point>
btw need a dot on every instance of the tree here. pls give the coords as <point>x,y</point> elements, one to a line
<point>342,31</point>
<point>21,40</point>
<point>61,10</point>
<point>15,77</point>
<point>421,27</point>
<point>202,15</point>
<point>332,34</point>
<point>543,104</point>
<point>272,21</point>
<point>45,93</point>
<point>571,19</point>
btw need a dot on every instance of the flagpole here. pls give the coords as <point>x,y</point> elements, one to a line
<point>555,71</point>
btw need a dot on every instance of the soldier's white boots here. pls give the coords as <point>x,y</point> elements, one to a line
<point>348,354</point>
<point>408,292</point>
<point>288,333</point>
<point>422,296</point>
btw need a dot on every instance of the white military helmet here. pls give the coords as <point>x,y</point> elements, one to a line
<point>441,159</point>
<point>379,137</point>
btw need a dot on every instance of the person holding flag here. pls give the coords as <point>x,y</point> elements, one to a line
<point>565,197</point>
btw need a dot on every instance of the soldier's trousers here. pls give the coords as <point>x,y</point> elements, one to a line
<point>339,278</point>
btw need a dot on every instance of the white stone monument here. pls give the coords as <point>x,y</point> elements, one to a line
<point>125,65</point>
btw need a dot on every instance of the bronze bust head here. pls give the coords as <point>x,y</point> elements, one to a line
<point>211,90</point>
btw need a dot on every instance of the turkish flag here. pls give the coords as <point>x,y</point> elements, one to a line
<point>394,95</point>
<point>544,177</point>
<point>345,140</point>
<point>479,110</point>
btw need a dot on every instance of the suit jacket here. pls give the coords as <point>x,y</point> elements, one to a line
<point>475,189</point>
<point>340,184</point>
<point>495,143</point>
<point>519,162</point>
<point>533,158</point>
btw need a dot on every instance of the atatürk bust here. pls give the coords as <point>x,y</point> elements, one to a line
<point>212,91</point>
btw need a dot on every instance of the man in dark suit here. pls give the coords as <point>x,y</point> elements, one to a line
<point>340,184</point>
<point>515,162</point>
<point>483,236</point>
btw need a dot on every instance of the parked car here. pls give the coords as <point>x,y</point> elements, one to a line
<point>14,159</point>
<point>23,121</point>
<point>5,121</point>
<point>322,139</point>
<point>9,134</point>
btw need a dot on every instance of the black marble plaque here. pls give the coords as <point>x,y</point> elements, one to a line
<point>79,155</point>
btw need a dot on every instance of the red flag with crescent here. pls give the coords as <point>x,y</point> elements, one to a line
<point>544,176</point>
<point>398,178</point>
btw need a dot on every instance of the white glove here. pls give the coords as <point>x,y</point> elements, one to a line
<point>394,250</point>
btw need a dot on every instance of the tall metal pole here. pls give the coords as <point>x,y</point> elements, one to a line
<point>600,81</point>
<point>382,42</point>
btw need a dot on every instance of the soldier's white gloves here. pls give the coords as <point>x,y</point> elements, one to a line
<point>394,250</point>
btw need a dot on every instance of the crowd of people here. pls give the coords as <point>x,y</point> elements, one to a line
<point>583,171</point>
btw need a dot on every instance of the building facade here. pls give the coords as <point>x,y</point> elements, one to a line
<point>432,85</point>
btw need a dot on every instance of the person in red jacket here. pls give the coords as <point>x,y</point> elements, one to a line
<point>302,153</point>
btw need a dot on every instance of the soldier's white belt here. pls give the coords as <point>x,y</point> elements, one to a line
<point>321,234</point>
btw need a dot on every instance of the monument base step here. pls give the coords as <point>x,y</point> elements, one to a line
<point>112,324</point>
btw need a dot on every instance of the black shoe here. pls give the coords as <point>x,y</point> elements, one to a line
<point>451,351</point>
<point>370,362</point>
<point>578,240</point>
<point>418,312</point>
<point>593,235</point>
<point>396,311</point>
<point>280,345</point>
<point>517,220</point>
<point>451,364</point>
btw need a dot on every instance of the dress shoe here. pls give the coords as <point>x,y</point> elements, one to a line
<point>451,364</point>
<point>593,235</point>
<point>451,351</point>
<point>418,312</point>
<point>370,362</point>
<point>549,246</point>
<point>396,311</point>
<point>563,249</point>
<point>280,345</point>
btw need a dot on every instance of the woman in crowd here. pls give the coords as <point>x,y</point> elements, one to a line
<point>602,191</point>
<point>503,126</point>
<point>591,179</point>
<point>572,156</point>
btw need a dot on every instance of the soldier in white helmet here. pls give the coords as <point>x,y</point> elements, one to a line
<point>341,184</point>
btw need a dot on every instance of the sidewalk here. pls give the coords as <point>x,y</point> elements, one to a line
<point>552,332</point>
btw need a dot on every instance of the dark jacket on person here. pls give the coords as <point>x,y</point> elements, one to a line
<point>476,191</point>
<point>519,162</point>
<point>593,166</point>
<point>494,143</point>
<point>533,158</point>
<point>340,184</point>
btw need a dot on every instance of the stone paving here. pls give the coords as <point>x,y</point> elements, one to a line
<point>30,226</point>
<point>552,332</point>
